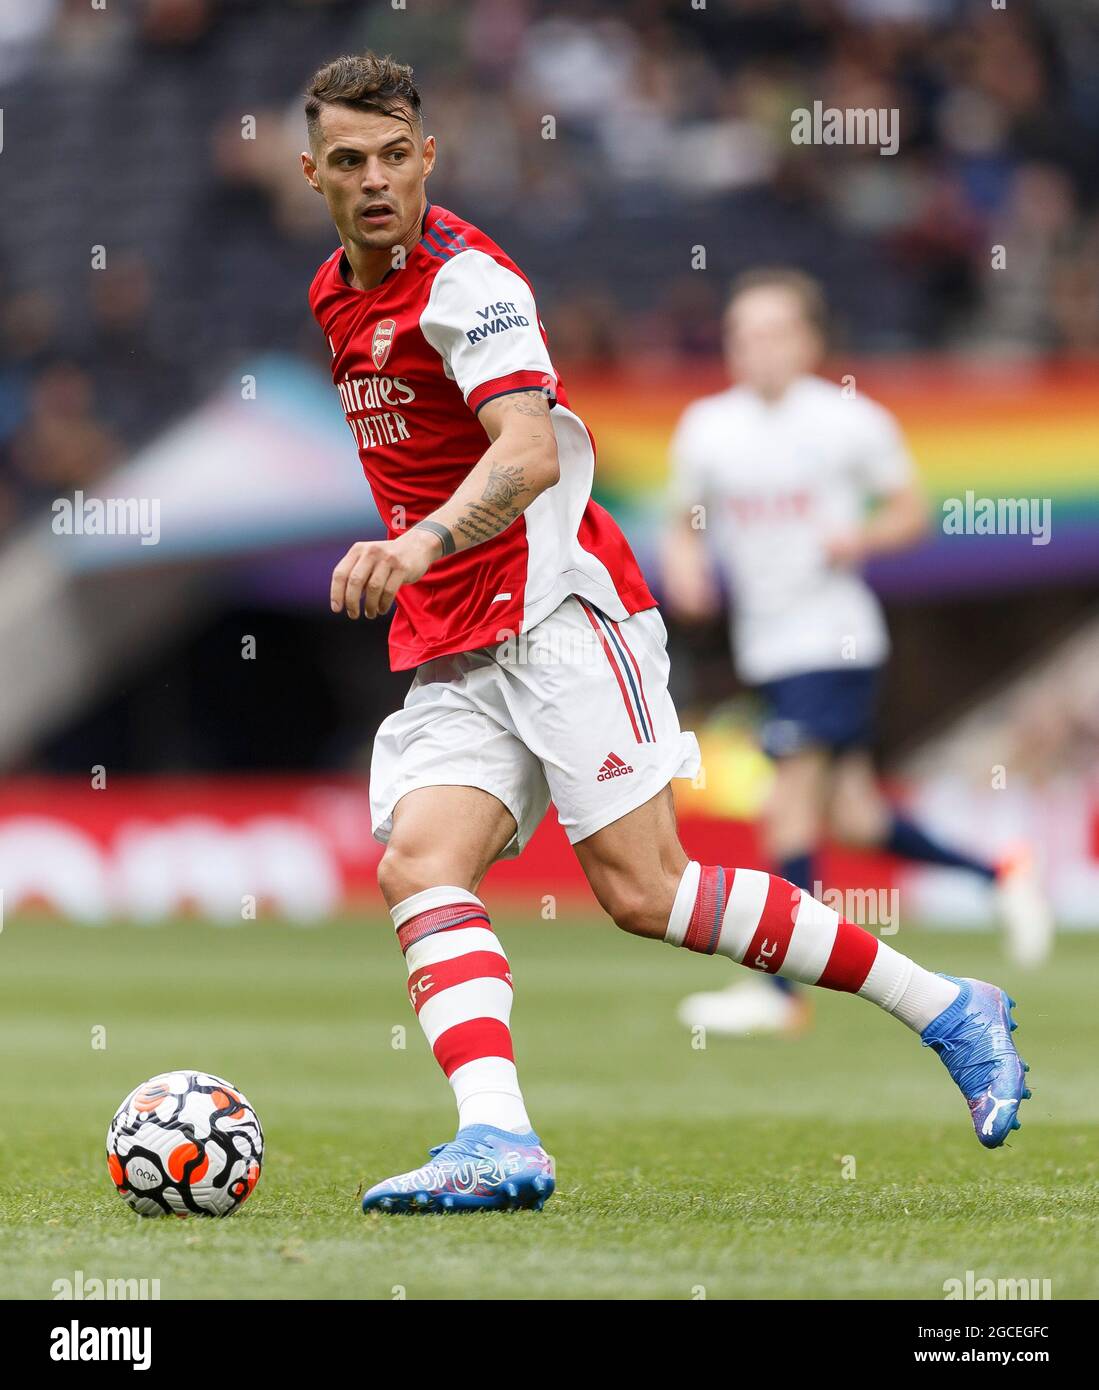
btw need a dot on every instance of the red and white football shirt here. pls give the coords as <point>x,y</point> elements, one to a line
<point>414,359</point>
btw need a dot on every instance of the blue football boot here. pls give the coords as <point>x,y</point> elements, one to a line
<point>973,1039</point>
<point>481,1169</point>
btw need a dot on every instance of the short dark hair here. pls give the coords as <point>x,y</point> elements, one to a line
<point>809,293</point>
<point>366,82</point>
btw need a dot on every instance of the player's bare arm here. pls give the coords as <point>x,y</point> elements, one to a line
<point>519,464</point>
<point>690,588</point>
<point>896,523</point>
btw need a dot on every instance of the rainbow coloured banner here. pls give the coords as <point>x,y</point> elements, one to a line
<point>982,435</point>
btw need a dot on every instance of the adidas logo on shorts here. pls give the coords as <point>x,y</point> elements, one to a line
<point>613,767</point>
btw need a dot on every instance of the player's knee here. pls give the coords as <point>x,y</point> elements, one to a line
<point>636,917</point>
<point>634,909</point>
<point>393,873</point>
<point>408,869</point>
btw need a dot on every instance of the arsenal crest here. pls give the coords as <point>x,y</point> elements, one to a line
<point>382,342</point>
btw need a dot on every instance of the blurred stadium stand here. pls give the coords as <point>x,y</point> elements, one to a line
<point>122,130</point>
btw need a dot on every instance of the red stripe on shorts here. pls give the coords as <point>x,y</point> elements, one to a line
<point>637,669</point>
<point>614,667</point>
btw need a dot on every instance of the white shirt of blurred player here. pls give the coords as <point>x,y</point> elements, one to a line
<point>776,479</point>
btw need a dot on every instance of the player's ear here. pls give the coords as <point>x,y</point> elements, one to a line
<point>429,154</point>
<point>309,169</point>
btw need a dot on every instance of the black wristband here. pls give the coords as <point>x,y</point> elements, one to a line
<point>437,529</point>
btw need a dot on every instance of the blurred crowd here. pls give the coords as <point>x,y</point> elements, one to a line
<point>150,243</point>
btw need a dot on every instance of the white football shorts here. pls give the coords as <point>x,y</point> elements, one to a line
<point>576,711</point>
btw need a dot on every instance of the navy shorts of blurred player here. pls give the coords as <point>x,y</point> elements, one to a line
<point>833,709</point>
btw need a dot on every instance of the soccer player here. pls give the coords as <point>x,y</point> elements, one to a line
<point>788,483</point>
<point>540,670</point>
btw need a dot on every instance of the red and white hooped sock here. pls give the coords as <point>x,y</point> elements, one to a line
<point>459,982</point>
<point>765,923</point>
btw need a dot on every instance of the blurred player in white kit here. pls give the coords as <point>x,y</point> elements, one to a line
<point>790,483</point>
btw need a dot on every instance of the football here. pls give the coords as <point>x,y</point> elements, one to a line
<point>185,1143</point>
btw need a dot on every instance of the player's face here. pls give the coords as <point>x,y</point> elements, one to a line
<point>371,170</point>
<point>769,342</point>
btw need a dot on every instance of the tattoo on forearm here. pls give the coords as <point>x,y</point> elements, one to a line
<point>505,482</point>
<point>476,526</point>
<point>497,509</point>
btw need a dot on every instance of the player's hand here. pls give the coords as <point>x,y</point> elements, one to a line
<point>367,578</point>
<point>689,587</point>
<point>694,600</point>
<point>845,549</point>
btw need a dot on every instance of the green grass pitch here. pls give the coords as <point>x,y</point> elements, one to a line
<point>682,1173</point>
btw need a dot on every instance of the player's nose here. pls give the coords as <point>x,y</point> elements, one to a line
<point>374,176</point>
